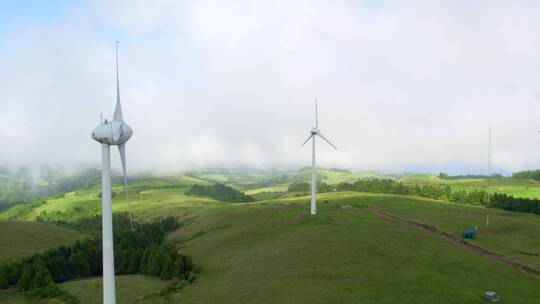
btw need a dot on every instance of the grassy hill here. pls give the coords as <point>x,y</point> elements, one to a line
<point>260,181</point>
<point>526,188</point>
<point>168,192</point>
<point>13,297</point>
<point>330,176</point>
<point>129,289</point>
<point>155,194</point>
<point>20,239</point>
<point>274,252</point>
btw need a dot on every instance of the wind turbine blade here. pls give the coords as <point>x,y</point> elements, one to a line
<point>316,114</point>
<point>118,109</point>
<point>306,140</point>
<point>116,134</point>
<point>122,150</point>
<point>331,144</point>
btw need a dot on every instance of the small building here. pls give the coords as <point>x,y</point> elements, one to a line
<point>469,234</point>
<point>491,296</point>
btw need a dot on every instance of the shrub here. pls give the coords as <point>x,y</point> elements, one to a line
<point>220,192</point>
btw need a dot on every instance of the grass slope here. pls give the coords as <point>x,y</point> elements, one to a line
<point>20,239</point>
<point>333,177</point>
<point>275,253</point>
<point>511,234</point>
<point>13,297</point>
<point>129,289</point>
<point>147,198</point>
<point>526,188</point>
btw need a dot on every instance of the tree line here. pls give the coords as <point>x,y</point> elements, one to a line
<point>220,192</point>
<point>432,191</point>
<point>299,187</point>
<point>365,185</point>
<point>470,176</point>
<point>78,218</point>
<point>530,174</point>
<point>136,252</point>
<point>519,204</point>
<point>439,192</point>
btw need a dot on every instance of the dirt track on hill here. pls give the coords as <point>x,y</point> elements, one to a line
<point>460,242</point>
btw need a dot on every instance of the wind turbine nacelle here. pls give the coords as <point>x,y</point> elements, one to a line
<point>315,131</point>
<point>112,132</point>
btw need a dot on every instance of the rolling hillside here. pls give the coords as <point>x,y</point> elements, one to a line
<point>276,253</point>
<point>20,239</point>
<point>526,188</point>
<point>361,248</point>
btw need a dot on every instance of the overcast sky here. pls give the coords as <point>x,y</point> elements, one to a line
<point>402,85</point>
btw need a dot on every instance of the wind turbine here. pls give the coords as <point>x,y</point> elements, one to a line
<point>489,175</point>
<point>315,132</point>
<point>115,133</point>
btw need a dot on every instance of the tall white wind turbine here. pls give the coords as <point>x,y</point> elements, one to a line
<point>116,133</point>
<point>315,132</point>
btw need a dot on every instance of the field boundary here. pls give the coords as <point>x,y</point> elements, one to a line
<point>498,258</point>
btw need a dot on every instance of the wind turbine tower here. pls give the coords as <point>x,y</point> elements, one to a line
<point>315,132</point>
<point>489,154</point>
<point>111,133</point>
<point>489,175</point>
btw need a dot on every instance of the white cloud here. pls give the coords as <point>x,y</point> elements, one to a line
<point>400,84</point>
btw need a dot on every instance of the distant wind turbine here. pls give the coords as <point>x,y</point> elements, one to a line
<point>489,153</point>
<point>315,132</point>
<point>117,133</point>
<point>489,175</point>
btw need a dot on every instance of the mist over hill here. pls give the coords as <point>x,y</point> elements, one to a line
<point>22,183</point>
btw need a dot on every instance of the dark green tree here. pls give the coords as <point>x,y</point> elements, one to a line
<point>167,269</point>
<point>78,265</point>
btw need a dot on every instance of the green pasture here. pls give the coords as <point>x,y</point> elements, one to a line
<point>511,234</point>
<point>525,188</point>
<point>13,297</point>
<point>20,239</point>
<point>272,251</point>
<point>129,289</point>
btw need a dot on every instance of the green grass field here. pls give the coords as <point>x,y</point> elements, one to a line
<point>20,239</point>
<point>526,188</point>
<point>274,252</point>
<point>277,188</point>
<point>511,234</point>
<point>129,289</point>
<point>334,177</point>
<point>13,297</point>
<point>146,200</point>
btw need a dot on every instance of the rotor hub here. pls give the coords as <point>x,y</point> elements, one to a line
<point>112,132</point>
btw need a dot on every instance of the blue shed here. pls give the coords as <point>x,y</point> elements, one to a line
<point>469,234</point>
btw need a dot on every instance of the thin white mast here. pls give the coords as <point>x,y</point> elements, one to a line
<point>489,153</point>
<point>109,290</point>
<point>313,180</point>
<point>489,175</point>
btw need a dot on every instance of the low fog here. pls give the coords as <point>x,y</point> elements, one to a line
<point>402,85</point>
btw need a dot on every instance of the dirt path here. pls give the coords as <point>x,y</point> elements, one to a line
<point>460,242</point>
